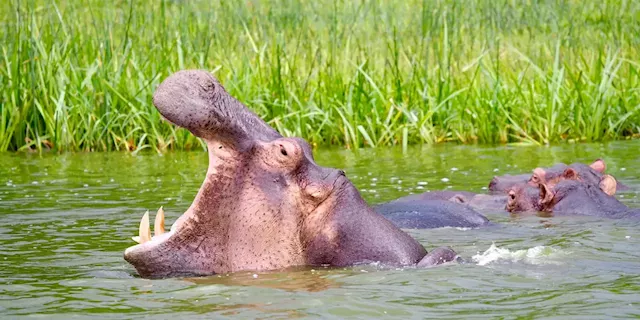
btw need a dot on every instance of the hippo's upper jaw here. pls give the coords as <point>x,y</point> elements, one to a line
<point>264,204</point>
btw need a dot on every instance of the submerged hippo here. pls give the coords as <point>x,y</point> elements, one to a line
<point>502,184</point>
<point>482,203</point>
<point>264,204</point>
<point>570,197</point>
<point>437,209</point>
<point>591,173</point>
<point>427,214</point>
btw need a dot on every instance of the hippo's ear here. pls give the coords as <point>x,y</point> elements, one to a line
<point>608,184</point>
<point>546,194</point>
<point>570,174</point>
<point>538,176</point>
<point>458,198</point>
<point>195,100</point>
<point>599,165</point>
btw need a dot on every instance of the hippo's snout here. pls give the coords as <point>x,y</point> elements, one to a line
<point>195,100</point>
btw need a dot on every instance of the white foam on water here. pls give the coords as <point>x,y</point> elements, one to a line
<point>536,255</point>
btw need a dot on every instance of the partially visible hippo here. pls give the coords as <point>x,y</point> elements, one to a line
<point>437,195</point>
<point>579,171</point>
<point>264,203</point>
<point>483,203</point>
<point>427,214</point>
<point>523,198</point>
<point>591,174</point>
<point>502,184</point>
<point>570,197</point>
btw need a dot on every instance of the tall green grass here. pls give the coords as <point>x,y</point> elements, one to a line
<point>79,75</point>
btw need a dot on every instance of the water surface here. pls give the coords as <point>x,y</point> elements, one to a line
<point>65,221</point>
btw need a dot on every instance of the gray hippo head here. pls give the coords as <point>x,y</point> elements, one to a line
<point>502,184</point>
<point>592,174</point>
<point>264,204</point>
<point>575,197</point>
<point>563,194</point>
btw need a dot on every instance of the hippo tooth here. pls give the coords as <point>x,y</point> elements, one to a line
<point>158,227</point>
<point>145,232</point>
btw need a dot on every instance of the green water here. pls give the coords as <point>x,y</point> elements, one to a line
<point>65,221</point>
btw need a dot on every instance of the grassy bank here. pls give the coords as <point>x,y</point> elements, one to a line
<point>79,75</point>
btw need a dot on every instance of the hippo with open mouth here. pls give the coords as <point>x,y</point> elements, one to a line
<point>264,204</point>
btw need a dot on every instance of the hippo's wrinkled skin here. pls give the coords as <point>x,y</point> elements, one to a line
<point>570,197</point>
<point>428,214</point>
<point>264,203</point>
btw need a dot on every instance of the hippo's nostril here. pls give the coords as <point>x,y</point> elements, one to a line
<point>341,172</point>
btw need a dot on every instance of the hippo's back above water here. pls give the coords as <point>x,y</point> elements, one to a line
<point>436,195</point>
<point>430,214</point>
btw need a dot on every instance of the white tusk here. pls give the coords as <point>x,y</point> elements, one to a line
<point>158,227</point>
<point>144,231</point>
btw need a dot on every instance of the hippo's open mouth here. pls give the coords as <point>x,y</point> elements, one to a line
<point>153,254</point>
<point>147,242</point>
<point>199,239</point>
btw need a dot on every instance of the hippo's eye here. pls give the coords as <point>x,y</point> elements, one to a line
<point>534,178</point>
<point>286,154</point>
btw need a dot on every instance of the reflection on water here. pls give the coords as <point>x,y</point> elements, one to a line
<point>293,279</point>
<point>65,221</point>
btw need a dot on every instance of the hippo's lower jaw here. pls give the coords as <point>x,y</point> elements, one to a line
<point>143,257</point>
<point>159,256</point>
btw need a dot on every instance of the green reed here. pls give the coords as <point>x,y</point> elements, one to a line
<point>79,75</point>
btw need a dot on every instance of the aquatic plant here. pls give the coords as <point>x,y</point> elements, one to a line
<point>79,75</point>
